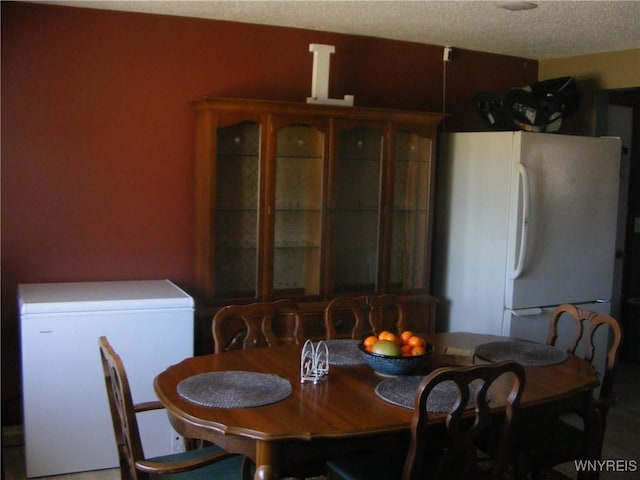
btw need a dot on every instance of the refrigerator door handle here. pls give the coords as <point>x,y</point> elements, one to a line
<point>523,187</point>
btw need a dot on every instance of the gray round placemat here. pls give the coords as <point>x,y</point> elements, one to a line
<point>234,389</point>
<point>528,354</point>
<point>401,391</point>
<point>344,352</point>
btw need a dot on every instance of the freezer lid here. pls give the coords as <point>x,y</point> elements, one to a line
<point>41,298</point>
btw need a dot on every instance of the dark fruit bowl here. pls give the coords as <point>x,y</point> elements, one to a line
<point>386,365</point>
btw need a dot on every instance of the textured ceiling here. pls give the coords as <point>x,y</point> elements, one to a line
<point>554,29</point>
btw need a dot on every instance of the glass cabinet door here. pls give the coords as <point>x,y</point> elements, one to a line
<point>237,176</point>
<point>356,208</point>
<point>310,201</point>
<point>410,212</point>
<point>298,215</point>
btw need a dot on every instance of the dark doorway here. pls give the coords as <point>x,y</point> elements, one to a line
<point>618,114</point>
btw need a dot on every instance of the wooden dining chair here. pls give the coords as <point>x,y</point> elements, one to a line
<point>549,442</point>
<point>343,313</point>
<point>237,327</point>
<point>446,451</point>
<point>241,327</point>
<point>387,312</point>
<point>210,463</point>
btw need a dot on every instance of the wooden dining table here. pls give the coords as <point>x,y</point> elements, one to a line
<point>342,413</point>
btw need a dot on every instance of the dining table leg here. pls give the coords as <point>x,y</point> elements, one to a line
<point>267,455</point>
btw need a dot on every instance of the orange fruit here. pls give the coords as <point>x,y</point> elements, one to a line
<point>370,340</point>
<point>406,335</point>
<point>416,341</point>
<point>405,350</point>
<point>386,335</point>
<point>419,350</point>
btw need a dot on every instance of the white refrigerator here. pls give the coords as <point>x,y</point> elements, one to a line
<point>525,221</point>
<point>67,424</point>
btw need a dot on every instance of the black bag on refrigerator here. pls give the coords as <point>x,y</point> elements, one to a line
<point>539,107</point>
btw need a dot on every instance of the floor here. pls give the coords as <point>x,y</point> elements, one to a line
<point>622,438</point>
<point>622,441</point>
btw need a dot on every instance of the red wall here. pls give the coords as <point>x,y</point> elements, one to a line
<point>97,131</point>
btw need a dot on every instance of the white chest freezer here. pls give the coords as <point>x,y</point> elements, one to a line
<point>67,424</point>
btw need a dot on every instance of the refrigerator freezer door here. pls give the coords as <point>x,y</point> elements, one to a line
<point>571,227</point>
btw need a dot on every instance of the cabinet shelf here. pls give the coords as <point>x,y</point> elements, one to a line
<point>300,157</point>
<point>406,161</point>
<point>352,158</point>
<point>298,210</point>
<point>409,210</point>
<point>225,155</point>
<point>280,245</point>
<point>237,209</point>
<point>364,210</point>
<point>302,245</point>
<point>236,247</point>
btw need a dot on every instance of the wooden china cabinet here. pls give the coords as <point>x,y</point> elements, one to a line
<point>309,202</point>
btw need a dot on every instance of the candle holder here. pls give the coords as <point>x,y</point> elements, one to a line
<point>314,362</point>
